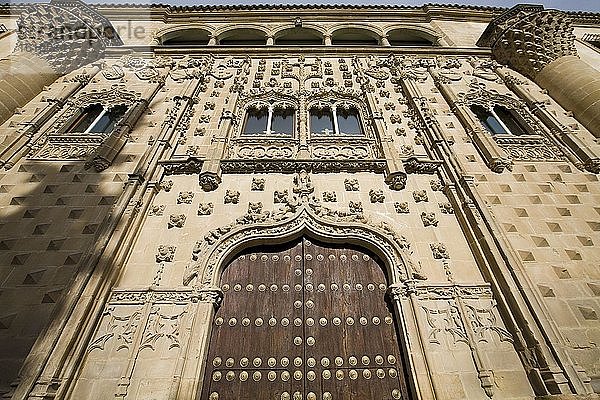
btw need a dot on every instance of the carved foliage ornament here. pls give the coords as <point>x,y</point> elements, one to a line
<point>304,214</point>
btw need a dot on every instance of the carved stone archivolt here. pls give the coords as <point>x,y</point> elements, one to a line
<point>302,214</point>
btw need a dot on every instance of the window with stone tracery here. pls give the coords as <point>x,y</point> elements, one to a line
<point>97,119</point>
<point>264,119</point>
<point>332,119</point>
<point>498,120</point>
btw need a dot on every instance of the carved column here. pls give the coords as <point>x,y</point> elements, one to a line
<point>191,368</point>
<point>53,39</point>
<point>540,44</point>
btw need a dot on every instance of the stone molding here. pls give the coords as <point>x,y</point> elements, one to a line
<point>527,38</point>
<point>299,215</point>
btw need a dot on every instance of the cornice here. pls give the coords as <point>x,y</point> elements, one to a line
<point>427,12</point>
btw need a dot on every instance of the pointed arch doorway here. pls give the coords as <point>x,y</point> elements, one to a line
<point>304,320</point>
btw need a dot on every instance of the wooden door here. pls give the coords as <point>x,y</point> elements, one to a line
<point>304,321</point>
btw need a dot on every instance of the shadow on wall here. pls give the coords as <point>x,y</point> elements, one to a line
<point>51,217</point>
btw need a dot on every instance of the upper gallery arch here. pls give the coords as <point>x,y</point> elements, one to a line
<point>185,35</point>
<point>242,35</point>
<point>412,36</point>
<point>351,34</point>
<point>307,35</point>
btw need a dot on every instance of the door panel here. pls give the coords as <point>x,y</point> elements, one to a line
<point>304,321</point>
<point>255,328</point>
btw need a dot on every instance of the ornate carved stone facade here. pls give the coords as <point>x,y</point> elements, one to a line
<point>442,156</point>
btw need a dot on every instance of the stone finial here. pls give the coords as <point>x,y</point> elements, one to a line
<point>527,38</point>
<point>67,34</point>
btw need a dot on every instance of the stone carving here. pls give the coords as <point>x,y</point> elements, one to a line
<point>343,152</point>
<point>157,210</point>
<point>254,152</point>
<point>483,322</point>
<point>302,184</point>
<point>258,184</point>
<point>121,329</point>
<point>185,197</point>
<point>165,253</point>
<point>176,221</point>
<point>517,40</point>
<point>376,196</point>
<point>351,185</point>
<point>209,181</point>
<point>295,212</point>
<point>530,149</point>
<point>396,181</point>
<point>429,219</point>
<point>255,208</point>
<point>329,197</point>
<point>196,251</point>
<point>439,250</point>
<point>190,166</point>
<point>355,207</point>
<point>205,208</point>
<point>414,165</point>
<point>192,68</point>
<point>406,150</point>
<point>484,68</point>
<point>166,185</point>
<point>420,195</point>
<point>402,207</point>
<point>280,196</point>
<point>285,166</point>
<point>162,326</point>
<point>66,35</point>
<point>231,197</point>
<point>445,321</point>
<point>446,208</point>
<point>436,185</point>
<point>113,73</point>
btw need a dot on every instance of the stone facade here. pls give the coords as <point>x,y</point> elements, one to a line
<point>112,243</point>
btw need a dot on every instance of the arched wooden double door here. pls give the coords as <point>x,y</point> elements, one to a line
<point>304,321</point>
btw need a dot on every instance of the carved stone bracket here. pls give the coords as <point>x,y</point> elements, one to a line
<point>209,181</point>
<point>414,165</point>
<point>396,181</point>
<point>189,166</point>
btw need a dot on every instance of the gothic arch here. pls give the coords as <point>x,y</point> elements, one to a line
<point>222,244</point>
